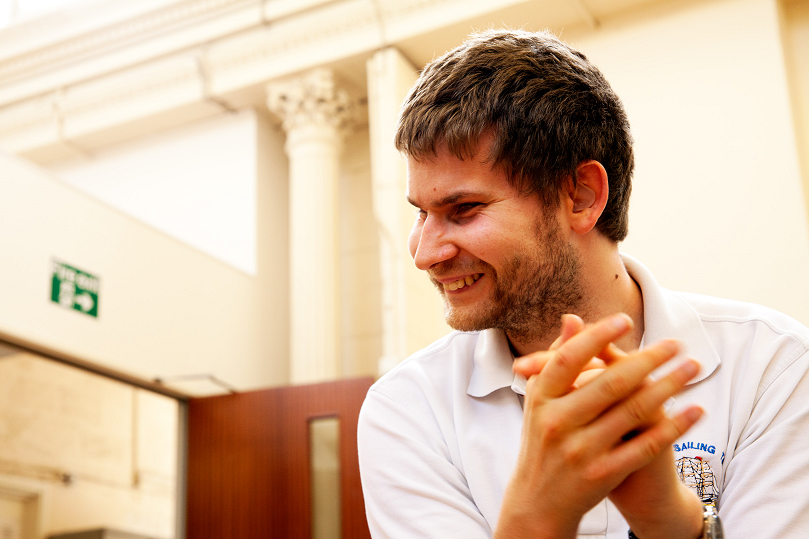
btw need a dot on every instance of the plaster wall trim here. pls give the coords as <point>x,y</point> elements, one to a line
<point>32,471</point>
<point>293,45</point>
<point>35,498</point>
<point>112,36</point>
<point>123,46</point>
<point>66,113</point>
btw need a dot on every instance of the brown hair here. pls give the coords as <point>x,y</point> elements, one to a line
<point>547,107</point>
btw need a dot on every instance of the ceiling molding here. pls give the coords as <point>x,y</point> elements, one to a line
<point>122,45</point>
<point>114,36</point>
<point>187,55</point>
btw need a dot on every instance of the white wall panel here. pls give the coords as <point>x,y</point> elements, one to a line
<point>196,183</point>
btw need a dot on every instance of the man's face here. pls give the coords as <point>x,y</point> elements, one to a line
<point>498,258</point>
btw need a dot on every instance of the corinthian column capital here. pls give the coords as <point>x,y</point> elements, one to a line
<point>312,100</point>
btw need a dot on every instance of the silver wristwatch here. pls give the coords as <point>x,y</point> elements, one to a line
<point>711,525</point>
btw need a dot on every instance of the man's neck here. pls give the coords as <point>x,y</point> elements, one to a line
<point>609,289</point>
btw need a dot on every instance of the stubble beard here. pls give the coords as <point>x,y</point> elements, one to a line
<point>531,293</point>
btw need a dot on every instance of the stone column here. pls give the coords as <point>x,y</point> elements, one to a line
<point>316,115</point>
<point>412,311</point>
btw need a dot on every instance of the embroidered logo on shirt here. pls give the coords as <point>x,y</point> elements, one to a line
<point>699,477</point>
<point>699,446</point>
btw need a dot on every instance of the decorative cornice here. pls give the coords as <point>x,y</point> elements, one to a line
<point>101,103</point>
<point>35,111</point>
<point>397,8</point>
<point>191,54</point>
<point>109,99</point>
<point>307,33</point>
<point>113,36</point>
<point>141,83</point>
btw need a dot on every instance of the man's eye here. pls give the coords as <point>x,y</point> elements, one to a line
<point>462,209</point>
<point>421,214</point>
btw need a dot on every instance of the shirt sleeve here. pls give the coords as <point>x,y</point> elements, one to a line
<point>411,486</point>
<point>766,492</point>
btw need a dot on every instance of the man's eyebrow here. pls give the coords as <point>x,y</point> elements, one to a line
<point>449,199</point>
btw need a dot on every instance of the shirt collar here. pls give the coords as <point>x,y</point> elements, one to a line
<point>665,315</point>
<point>492,361</point>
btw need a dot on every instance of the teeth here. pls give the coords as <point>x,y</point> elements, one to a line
<point>460,283</point>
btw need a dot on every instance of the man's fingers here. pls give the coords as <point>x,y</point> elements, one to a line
<point>571,325</point>
<point>533,364</point>
<point>567,362</point>
<point>621,381</point>
<point>640,450</point>
<point>587,376</point>
<point>611,353</point>
<point>644,406</point>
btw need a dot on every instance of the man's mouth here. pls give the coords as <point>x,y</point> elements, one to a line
<point>460,283</point>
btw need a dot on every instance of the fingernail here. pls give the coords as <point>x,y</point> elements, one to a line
<point>670,346</point>
<point>690,368</point>
<point>620,321</point>
<point>693,414</point>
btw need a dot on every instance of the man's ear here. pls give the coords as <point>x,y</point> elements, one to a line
<point>585,201</point>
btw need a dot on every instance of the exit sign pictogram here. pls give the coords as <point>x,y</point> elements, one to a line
<point>75,289</point>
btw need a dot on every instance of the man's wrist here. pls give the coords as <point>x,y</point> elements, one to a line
<point>680,518</point>
<point>711,525</point>
<point>522,515</point>
<point>512,526</point>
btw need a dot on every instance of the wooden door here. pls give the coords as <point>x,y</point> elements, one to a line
<point>248,461</point>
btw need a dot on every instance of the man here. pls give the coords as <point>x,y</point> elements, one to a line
<point>519,162</point>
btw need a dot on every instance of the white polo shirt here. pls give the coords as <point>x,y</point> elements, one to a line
<point>439,434</point>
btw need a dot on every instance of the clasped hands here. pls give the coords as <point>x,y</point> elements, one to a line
<point>594,427</point>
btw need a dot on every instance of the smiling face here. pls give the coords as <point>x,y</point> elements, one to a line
<point>497,257</point>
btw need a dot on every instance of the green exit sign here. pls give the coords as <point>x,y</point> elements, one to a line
<point>73,288</point>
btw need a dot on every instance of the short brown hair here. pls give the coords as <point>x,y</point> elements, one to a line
<point>547,107</point>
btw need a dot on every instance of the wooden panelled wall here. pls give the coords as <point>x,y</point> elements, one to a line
<point>248,461</point>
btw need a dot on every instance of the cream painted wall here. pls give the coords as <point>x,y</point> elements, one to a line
<point>118,444</point>
<point>196,183</point>
<point>717,205</point>
<point>165,309</point>
<point>158,181</point>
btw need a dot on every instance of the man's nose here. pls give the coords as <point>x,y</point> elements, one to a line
<point>431,243</point>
